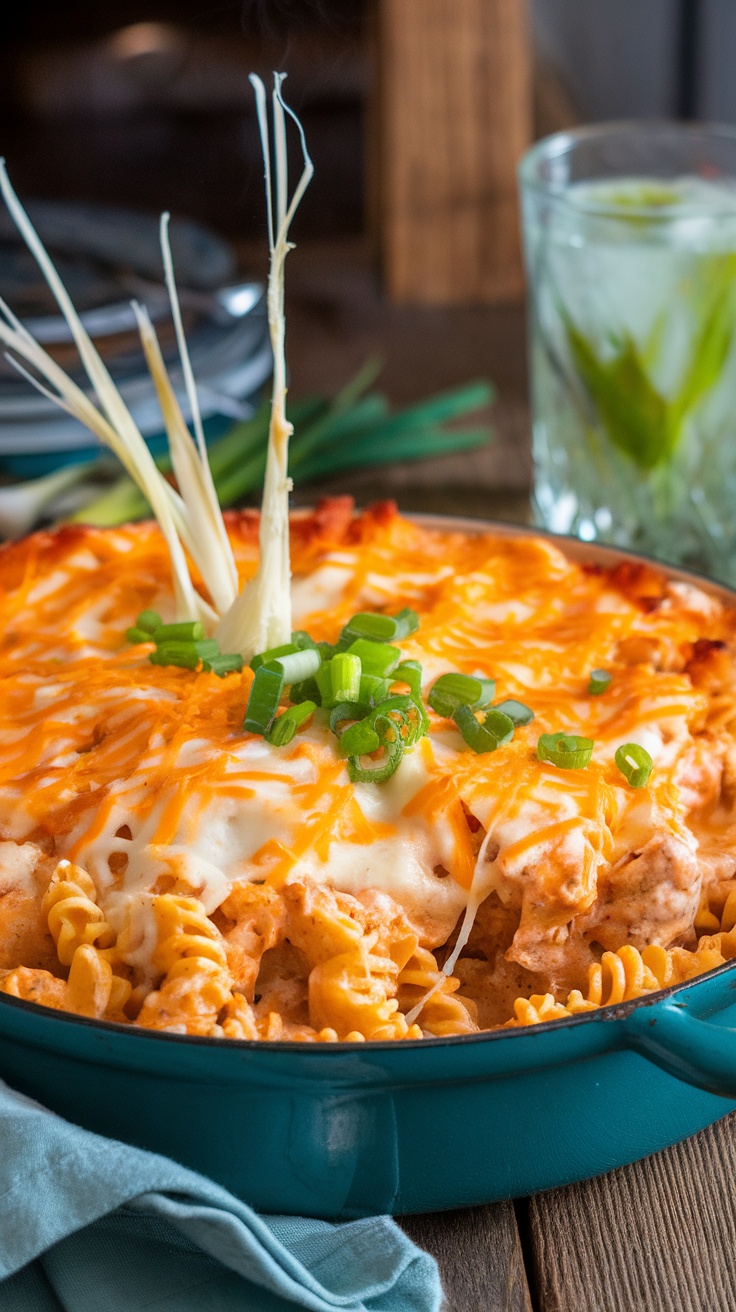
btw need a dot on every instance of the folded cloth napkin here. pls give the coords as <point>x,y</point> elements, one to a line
<point>92,1225</point>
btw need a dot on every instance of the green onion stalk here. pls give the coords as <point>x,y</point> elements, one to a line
<point>354,430</point>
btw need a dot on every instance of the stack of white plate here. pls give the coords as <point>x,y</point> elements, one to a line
<point>106,258</point>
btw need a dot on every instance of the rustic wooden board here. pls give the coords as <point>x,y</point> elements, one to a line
<point>479,1255</point>
<point>452,117</point>
<point>657,1236</point>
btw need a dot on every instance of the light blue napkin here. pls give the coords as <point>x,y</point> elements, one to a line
<point>89,1224</point>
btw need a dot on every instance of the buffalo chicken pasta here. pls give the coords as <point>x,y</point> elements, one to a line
<point>483,786</point>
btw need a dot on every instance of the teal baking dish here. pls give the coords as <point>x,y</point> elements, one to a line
<point>345,1130</point>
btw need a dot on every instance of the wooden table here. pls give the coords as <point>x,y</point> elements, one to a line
<point>657,1236</point>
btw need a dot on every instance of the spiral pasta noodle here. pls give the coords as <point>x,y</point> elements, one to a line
<point>623,976</point>
<point>85,944</point>
<point>191,957</point>
<point>443,1013</point>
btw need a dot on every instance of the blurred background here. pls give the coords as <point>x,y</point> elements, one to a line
<point>416,113</point>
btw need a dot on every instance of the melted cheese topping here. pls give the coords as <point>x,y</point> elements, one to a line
<point>143,776</point>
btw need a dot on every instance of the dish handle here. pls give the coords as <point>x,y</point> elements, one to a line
<point>693,1050</point>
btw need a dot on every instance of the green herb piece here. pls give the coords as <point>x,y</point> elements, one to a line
<point>302,640</point>
<point>306,691</point>
<point>408,622</point>
<point>453,690</point>
<point>137,635</point>
<point>347,713</point>
<point>360,739</point>
<point>410,672</point>
<point>263,657</point>
<point>326,650</point>
<point>323,679</point>
<point>187,655</point>
<point>636,417</point>
<point>635,764</point>
<point>298,665</point>
<point>150,620</point>
<point>183,654</point>
<point>517,712</point>
<point>345,670</point>
<point>379,627</point>
<point>367,624</point>
<point>285,726</point>
<point>499,725</point>
<point>265,695</point>
<point>390,739</point>
<point>375,657</point>
<point>496,729</point>
<point>599,682</point>
<point>186,631</point>
<point>567,751</point>
<point>223,664</point>
<point>373,689</point>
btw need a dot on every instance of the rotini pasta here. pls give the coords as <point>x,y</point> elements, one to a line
<point>165,868</point>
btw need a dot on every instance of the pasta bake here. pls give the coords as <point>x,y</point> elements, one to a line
<point>560,840</point>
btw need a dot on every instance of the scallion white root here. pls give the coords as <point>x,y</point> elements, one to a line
<point>110,420</point>
<point>190,518</point>
<point>261,616</point>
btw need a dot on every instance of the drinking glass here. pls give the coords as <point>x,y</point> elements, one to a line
<point>630,246</point>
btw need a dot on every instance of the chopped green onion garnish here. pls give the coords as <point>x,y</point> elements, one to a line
<point>359,740</point>
<point>150,620</point>
<point>347,713</point>
<point>378,628</point>
<point>375,657</point>
<point>306,691</point>
<point>373,689</point>
<point>207,649</point>
<point>298,665</point>
<point>185,654</point>
<point>345,671</point>
<point>323,679</point>
<point>186,631</point>
<point>263,657</point>
<point>326,650</point>
<point>264,699</point>
<point>283,729</point>
<point>516,711</point>
<point>390,739</point>
<point>408,622</point>
<point>500,725</point>
<point>496,730</point>
<point>139,635</point>
<point>224,664</point>
<point>453,690</point>
<point>567,751</point>
<point>410,672</point>
<point>302,640</point>
<point>635,764</point>
<point>599,682</point>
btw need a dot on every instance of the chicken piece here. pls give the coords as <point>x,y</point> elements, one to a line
<point>700,771</point>
<point>24,931</point>
<point>251,920</point>
<point>648,896</point>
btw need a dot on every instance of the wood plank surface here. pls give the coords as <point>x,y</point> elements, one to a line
<point>658,1236</point>
<point>479,1255</point>
<point>452,117</point>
